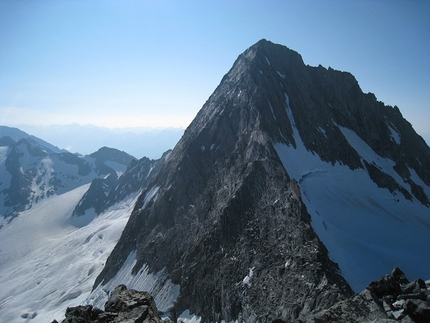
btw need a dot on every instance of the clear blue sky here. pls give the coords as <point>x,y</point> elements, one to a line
<point>155,63</point>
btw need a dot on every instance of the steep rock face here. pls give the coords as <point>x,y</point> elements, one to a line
<point>227,221</point>
<point>105,192</point>
<point>225,217</point>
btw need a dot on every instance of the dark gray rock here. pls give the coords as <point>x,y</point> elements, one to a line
<point>124,305</point>
<point>105,192</point>
<point>226,210</point>
<point>418,308</point>
<point>228,223</point>
<point>383,300</point>
<point>414,287</point>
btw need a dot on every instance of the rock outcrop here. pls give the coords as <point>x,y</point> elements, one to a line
<point>124,305</point>
<point>392,298</point>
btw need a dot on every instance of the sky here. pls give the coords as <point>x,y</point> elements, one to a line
<point>127,63</point>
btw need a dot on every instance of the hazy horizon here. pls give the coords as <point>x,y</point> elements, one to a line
<point>155,63</point>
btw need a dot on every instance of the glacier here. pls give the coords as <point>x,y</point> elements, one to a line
<point>367,229</point>
<point>48,264</point>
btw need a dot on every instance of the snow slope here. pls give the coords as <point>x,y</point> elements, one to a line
<point>157,284</point>
<point>47,264</point>
<point>367,230</point>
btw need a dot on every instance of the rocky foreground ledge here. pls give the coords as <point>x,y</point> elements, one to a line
<point>124,305</point>
<point>392,298</point>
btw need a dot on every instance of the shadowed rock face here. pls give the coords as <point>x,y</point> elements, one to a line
<point>227,222</point>
<point>226,207</point>
<point>105,192</point>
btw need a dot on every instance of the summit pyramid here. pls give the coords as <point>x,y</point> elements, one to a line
<point>290,189</point>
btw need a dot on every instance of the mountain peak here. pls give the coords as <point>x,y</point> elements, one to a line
<point>276,54</point>
<point>290,180</point>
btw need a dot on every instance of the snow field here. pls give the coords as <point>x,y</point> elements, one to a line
<point>47,264</point>
<point>165,293</point>
<point>158,285</point>
<point>366,229</point>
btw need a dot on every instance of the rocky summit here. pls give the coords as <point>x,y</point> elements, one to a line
<point>290,189</point>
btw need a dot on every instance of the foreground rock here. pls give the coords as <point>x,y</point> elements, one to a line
<point>392,298</point>
<point>124,305</point>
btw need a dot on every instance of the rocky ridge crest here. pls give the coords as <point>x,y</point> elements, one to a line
<point>392,298</point>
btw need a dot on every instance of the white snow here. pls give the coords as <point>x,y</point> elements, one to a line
<point>322,130</point>
<point>47,264</point>
<point>395,136</point>
<point>187,317</point>
<point>280,74</point>
<point>3,154</point>
<point>367,230</point>
<point>273,112</point>
<point>165,293</point>
<point>419,181</point>
<point>267,60</point>
<point>117,167</point>
<point>247,280</point>
<point>150,195</point>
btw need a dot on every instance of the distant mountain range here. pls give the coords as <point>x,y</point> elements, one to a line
<point>60,216</point>
<point>138,142</point>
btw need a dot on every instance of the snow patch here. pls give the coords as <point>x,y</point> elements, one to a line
<point>117,167</point>
<point>187,317</point>
<point>367,153</point>
<point>273,112</point>
<point>322,130</point>
<point>3,154</point>
<point>280,74</point>
<point>165,293</point>
<point>150,195</point>
<point>247,280</point>
<point>267,60</point>
<point>395,136</point>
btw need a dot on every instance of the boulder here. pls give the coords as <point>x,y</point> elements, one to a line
<point>392,298</point>
<point>123,305</point>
